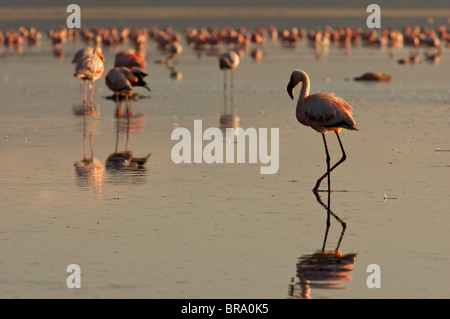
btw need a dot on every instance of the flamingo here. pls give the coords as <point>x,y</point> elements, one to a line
<point>228,61</point>
<point>129,59</point>
<point>122,80</point>
<point>89,65</point>
<point>324,112</point>
<point>373,76</point>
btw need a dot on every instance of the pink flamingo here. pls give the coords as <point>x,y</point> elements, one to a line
<point>89,65</point>
<point>129,59</point>
<point>122,80</point>
<point>324,112</point>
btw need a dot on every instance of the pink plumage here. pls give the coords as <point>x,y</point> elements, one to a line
<point>129,59</point>
<point>326,112</point>
<point>89,64</point>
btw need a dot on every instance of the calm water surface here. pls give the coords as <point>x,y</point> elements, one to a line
<point>224,230</point>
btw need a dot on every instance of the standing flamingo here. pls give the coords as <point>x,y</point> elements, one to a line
<point>122,80</point>
<point>89,65</point>
<point>324,112</point>
<point>129,59</point>
<point>228,61</point>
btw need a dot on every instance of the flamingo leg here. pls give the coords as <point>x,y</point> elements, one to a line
<point>128,106</point>
<point>343,158</point>
<point>117,135</point>
<point>118,107</point>
<point>231,88</point>
<point>315,190</point>
<point>84,137</point>
<point>81,89</point>
<point>128,134</point>
<point>225,91</point>
<point>91,94</point>
<point>84,96</point>
<point>91,138</point>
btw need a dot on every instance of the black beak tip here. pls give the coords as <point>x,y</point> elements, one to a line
<point>290,91</point>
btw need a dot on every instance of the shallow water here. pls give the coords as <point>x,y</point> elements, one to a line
<point>225,230</point>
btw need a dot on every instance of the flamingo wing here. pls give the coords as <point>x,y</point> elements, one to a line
<point>326,111</point>
<point>117,81</point>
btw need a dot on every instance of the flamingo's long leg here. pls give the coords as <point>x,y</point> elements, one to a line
<point>225,91</point>
<point>328,167</point>
<point>343,158</point>
<point>231,88</point>
<point>118,106</point>
<point>81,89</point>
<point>91,94</point>
<point>84,96</point>
<point>128,105</point>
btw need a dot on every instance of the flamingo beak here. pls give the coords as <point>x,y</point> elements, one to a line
<point>290,89</point>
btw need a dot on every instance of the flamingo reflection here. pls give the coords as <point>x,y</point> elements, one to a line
<point>124,160</point>
<point>229,120</point>
<point>228,62</point>
<point>323,269</point>
<point>89,170</point>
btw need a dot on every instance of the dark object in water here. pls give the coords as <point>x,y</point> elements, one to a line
<point>125,161</point>
<point>372,76</point>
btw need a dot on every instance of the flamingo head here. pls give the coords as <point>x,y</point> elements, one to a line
<point>296,78</point>
<point>293,82</point>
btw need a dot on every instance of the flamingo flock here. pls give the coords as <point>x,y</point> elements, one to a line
<point>203,38</point>
<point>323,112</point>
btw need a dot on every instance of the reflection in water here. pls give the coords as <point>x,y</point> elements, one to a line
<point>174,73</point>
<point>89,171</point>
<point>324,269</point>
<point>229,120</point>
<point>124,161</point>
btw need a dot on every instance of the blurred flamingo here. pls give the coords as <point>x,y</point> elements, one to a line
<point>324,112</point>
<point>129,59</point>
<point>122,80</point>
<point>89,65</point>
<point>228,61</point>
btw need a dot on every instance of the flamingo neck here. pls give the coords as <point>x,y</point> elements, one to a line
<point>305,87</point>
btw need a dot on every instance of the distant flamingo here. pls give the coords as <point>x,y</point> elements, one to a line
<point>122,80</point>
<point>89,65</point>
<point>373,76</point>
<point>324,112</point>
<point>174,49</point>
<point>228,61</point>
<point>129,59</point>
